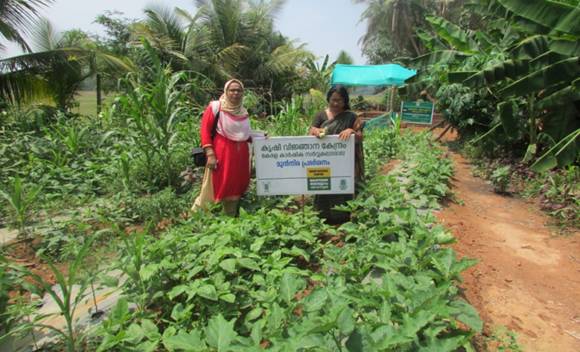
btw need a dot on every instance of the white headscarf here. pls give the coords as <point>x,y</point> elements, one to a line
<point>227,105</point>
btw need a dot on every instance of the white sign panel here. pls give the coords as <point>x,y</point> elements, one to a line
<point>304,165</point>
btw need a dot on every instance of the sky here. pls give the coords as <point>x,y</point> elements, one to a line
<point>325,26</point>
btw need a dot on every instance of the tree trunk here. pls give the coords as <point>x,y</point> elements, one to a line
<point>99,99</point>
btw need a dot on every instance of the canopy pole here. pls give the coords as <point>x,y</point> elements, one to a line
<point>392,98</point>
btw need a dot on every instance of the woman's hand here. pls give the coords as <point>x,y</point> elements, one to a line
<point>317,132</point>
<point>345,135</point>
<point>211,162</point>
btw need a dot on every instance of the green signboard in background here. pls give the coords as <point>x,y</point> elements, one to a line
<point>417,112</point>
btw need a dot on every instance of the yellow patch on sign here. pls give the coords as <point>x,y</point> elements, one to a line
<point>316,172</point>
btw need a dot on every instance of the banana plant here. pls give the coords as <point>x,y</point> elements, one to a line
<point>526,60</point>
<point>542,73</point>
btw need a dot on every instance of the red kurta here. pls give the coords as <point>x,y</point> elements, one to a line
<point>232,175</point>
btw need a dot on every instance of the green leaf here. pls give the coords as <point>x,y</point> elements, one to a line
<point>208,291</point>
<point>508,120</point>
<point>180,312</point>
<point>549,160</point>
<point>194,271</point>
<point>229,265</point>
<point>355,342</point>
<point>275,317</point>
<point>148,271</point>
<point>438,57</point>
<point>316,300</point>
<point>551,14</point>
<point>248,264</point>
<point>121,310</point>
<point>228,297</point>
<point>147,346</point>
<point>454,35</point>
<point>176,291</point>
<point>254,314</point>
<point>109,281</point>
<point>289,285</point>
<point>345,322</point>
<point>257,245</point>
<point>465,313</point>
<point>558,73</point>
<point>150,329</point>
<point>444,237</point>
<point>220,333</point>
<point>441,344</point>
<point>256,333</point>
<point>530,153</point>
<point>566,47</point>
<point>135,333</point>
<point>191,341</point>
<point>459,76</point>
<point>387,337</point>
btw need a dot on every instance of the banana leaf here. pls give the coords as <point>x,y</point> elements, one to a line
<point>455,36</point>
<point>567,95</point>
<point>511,69</point>
<point>530,47</point>
<point>558,123</point>
<point>558,16</point>
<point>553,157</point>
<point>568,47</point>
<point>560,72</point>
<point>507,116</point>
<point>459,76</point>
<point>440,57</point>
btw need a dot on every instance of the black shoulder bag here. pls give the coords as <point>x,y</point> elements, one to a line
<point>198,154</point>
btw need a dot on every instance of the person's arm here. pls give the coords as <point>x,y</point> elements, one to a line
<point>315,128</point>
<point>207,122</point>
<point>356,130</point>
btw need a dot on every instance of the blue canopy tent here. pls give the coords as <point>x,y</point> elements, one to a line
<point>371,75</point>
<point>392,75</point>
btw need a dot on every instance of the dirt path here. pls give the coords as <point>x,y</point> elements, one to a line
<point>528,279</point>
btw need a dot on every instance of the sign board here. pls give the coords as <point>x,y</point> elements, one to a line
<point>420,112</point>
<point>304,165</point>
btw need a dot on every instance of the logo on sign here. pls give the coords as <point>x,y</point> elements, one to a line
<point>318,178</point>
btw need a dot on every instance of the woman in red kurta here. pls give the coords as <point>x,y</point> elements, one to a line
<point>227,171</point>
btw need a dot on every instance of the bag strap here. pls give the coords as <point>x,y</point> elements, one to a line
<point>215,107</point>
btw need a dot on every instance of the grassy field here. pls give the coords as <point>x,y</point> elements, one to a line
<point>87,100</point>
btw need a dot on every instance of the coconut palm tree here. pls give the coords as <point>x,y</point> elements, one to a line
<point>55,68</point>
<point>226,38</point>
<point>398,23</point>
<point>397,20</point>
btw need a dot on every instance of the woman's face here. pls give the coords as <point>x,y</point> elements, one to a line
<point>336,103</point>
<point>235,93</point>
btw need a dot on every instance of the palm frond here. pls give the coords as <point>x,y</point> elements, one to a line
<point>22,87</point>
<point>44,37</point>
<point>165,23</point>
<point>16,17</point>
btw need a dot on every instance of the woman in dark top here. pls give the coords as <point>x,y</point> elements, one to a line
<point>338,119</point>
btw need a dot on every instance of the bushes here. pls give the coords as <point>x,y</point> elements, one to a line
<point>155,207</point>
<point>466,109</point>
